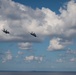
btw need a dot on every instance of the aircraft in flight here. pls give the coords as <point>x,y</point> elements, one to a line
<point>5,31</point>
<point>33,34</point>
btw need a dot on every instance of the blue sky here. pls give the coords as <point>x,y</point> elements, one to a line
<point>53,5</point>
<point>54,48</point>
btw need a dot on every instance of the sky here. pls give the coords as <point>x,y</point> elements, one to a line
<point>54,23</point>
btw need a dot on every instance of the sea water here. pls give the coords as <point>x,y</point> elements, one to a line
<point>37,73</point>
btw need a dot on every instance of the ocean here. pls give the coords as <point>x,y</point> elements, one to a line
<point>37,73</point>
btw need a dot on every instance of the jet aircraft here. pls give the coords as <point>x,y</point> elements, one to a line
<point>33,34</point>
<point>5,31</point>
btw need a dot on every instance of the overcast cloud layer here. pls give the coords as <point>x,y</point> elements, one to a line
<point>20,20</point>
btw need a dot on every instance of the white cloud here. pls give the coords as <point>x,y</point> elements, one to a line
<point>40,58</point>
<point>58,44</point>
<point>72,60</point>
<point>33,58</point>
<point>8,56</point>
<point>63,25</point>
<point>55,44</point>
<point>59,60</point>
<point>20,53</point>
<point>25,46</point>
<point>69,18</point>
<point>29,58</point>
<point>71,51</point>
<point>20,20</point>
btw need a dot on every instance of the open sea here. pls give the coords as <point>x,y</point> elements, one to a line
<point>37,73</point>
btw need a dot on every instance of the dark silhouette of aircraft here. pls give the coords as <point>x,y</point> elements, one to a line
<point>5,31</point>
<point>33,34</point>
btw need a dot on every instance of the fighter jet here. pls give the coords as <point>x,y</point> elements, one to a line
<point>5,31</point>
<point>33,34</point>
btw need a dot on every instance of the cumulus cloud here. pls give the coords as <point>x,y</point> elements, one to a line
<point>20,20</point>
<point>25,46</point>
<point>55,44</point>
<point>29,58</point>
<point>71,51</point>
<point>58,44</point>
<point>8,56</point>
<point>20,53</point>
<point>33,58</point>
<point>72,59</point>
<point>59,60</point>
<point>68,17</point>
